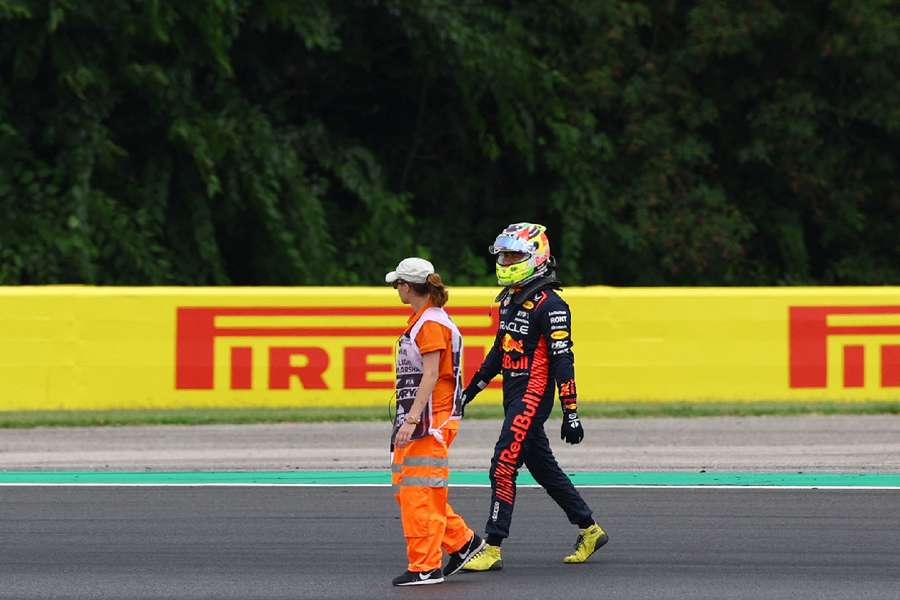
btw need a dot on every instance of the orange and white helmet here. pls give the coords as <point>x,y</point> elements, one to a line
<point>529,239</point>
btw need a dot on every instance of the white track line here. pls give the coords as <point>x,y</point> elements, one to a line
<point>532,486</point>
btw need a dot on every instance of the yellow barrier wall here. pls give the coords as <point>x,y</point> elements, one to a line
<point>65,347</point>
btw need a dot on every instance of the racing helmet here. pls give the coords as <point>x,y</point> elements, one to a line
<point>529,239</point>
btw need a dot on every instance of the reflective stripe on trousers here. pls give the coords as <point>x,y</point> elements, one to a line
<point>408,479</point>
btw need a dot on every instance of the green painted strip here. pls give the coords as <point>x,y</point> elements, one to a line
<point>601,478</point>
<point>737,479</point>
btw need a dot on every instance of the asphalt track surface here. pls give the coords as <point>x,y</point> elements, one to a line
<point>337,542</point>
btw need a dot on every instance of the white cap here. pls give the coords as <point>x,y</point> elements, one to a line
<point>411,270</point>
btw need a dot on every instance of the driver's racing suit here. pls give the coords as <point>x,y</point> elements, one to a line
<point>533,349</point>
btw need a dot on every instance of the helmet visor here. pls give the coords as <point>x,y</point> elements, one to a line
<point>509,243</point>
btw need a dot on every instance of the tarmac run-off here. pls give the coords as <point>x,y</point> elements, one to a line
<point>765,444</point>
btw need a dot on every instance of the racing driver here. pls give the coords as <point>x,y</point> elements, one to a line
<point>533,350</point>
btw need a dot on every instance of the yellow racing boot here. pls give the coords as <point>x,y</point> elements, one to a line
<point>589,540</point>
<point>488,559</point>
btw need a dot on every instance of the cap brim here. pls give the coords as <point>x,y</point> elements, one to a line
<point>391,277</point>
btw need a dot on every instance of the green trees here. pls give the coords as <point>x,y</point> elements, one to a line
<point>314,142</point>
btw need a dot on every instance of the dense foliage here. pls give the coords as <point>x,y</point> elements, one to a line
<point>317,142</point>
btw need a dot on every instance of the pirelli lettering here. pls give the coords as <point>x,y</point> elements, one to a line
<point>306,365</point>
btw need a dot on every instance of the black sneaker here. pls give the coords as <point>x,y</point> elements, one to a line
<point>459,558</point>
<point>414,578</point>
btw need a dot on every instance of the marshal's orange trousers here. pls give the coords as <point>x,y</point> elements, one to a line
<point>419,474</point>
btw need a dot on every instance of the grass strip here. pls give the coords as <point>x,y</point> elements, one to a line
<point>227,416</point>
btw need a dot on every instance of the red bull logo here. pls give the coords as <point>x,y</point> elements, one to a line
<point>812,326</point>
<point>511,345</point>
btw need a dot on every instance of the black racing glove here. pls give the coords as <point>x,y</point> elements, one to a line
<point>572,431</point>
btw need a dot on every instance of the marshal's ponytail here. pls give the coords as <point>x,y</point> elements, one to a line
<point>437,290</point>
<point>434,288</point>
